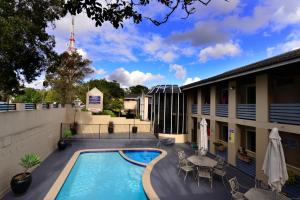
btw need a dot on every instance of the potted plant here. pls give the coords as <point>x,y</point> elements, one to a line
<point>220,146</point>
<point>243,156</point>
<point>292,178</point>
<point>110,127</point>
<point>74,128</point>
<point>134,128</point>
<point>21,182</point>
<point>62,144</point>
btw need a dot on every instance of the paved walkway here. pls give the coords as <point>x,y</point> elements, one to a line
<point>165,180</point>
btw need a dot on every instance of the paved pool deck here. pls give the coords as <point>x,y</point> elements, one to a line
<point>165,181</point>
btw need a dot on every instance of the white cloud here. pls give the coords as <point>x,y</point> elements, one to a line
<point>127,79</point>
<point>37,84</point>
<point>179,70</point>
<point>191,80</point>
<point>219,51</point>
<point>98,71</point>
<point>82,52</point>
<point>283,47</point>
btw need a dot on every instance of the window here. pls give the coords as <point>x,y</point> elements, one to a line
<point>250,140</point>
<point>251,95</point>
<point>224,133</point>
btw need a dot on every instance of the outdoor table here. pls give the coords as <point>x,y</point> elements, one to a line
<point>257,193</point>
<point>202,161</point>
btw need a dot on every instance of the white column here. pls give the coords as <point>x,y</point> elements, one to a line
<point>183,113</point>
<point>178,114</point>
<point>154,110</point>
<point>172,110</point>
<point>165,113</point>
<point>158,108</point>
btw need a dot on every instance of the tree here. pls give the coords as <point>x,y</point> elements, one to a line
<point>29,95</point>
<point>113,94</point>
<point>138,89</point>
<point>117,11</point>
<point>69,71</point>
<point>26,48</point>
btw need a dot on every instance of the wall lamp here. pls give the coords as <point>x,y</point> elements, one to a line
<point>232,88</point>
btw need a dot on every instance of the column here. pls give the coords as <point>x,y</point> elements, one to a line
<point>214,129</point>
<point>262,116</point>
<point>199,102</point>
<point>213,101</point>
<point>234,133</point>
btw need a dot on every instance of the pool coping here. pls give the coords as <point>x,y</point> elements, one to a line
<point>146,179</point>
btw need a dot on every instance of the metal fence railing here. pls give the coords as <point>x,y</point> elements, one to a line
<point>7,107</point>
<point>107,131</point>
<point>30,106</point>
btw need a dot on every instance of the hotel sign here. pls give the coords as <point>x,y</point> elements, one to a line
<point>94,99</point>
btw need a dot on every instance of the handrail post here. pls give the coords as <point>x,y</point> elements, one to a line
<point>99,130</point>
<point>129,131</point>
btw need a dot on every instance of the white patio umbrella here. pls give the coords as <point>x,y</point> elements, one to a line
<point>274,163</point>
<point>202,140</point>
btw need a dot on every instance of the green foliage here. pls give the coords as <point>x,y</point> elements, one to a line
<point>108,112</point>
<point>29,95</point>
<point>67,134</point>
<point>26,49</point>
<point>30,160</point>
<point>113,94</point>
<point>84,110</point>
<point>292,178</point>
<point>138,89</point>
<point>51,96</point>
<point>69,71</point>
<point>115,12</point>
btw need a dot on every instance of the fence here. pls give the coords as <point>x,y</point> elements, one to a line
<point>7,107</point>
<point>106,131</point>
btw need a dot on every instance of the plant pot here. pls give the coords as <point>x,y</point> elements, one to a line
<point>134,129</point>
<point>110,130</point>
<point>62,144</point>
<point>74,128</point>
<point>19,184</point>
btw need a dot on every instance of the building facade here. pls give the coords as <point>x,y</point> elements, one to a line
<point>241,106</point>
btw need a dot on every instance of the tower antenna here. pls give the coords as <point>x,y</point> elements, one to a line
<point>71,47</point>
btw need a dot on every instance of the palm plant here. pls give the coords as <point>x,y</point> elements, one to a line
<point>29,160</point>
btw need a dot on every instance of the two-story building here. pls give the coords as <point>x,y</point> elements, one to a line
<point>241,106</point>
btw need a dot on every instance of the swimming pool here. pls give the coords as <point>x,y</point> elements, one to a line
<point>142,156</point>
<point>104,175</point>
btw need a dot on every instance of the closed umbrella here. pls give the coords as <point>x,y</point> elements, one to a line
<point>203,136</point>
<point>274,163</point>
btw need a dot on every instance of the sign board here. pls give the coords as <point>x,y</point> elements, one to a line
<point>94,99</point>
<point>231,135</point>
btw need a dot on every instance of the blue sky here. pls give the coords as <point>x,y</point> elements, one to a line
<point>219,37</point>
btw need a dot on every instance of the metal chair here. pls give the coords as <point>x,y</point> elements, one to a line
<point>204,172</point>
<point>220,171</point>
<point>184,164</point>
<point>235,189</point>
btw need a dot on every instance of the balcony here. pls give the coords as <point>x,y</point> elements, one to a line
<point>222,110</point>
<point>194,109</point>
<point>285,113</point>
<point>206,109</point>
<point>246,111</point>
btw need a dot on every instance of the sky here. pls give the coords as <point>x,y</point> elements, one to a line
<point>221,36</point>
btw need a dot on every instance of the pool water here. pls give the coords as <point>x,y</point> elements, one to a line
<point>107,176</point>
<point>141,156</point>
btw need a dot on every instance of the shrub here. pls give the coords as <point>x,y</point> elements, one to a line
<point>292,178</point>
<point>108,112</point>
<point>30,160</point>
<point>67,133</point>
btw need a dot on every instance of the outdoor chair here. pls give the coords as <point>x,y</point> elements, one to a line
<point>220,171</point>
<point>221,162</point>
<point>204,172</point>
<point>235,187</point>
<point>184,164</point>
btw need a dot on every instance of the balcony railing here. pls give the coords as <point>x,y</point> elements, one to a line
<point>246,111</point>
<point>206,109</point>
<point>7,107</point>
<point>285,113</point>
<point>194,109</point>
<point>30,106</point>
<point>222,110</point>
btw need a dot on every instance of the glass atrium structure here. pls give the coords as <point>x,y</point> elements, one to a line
<point>168,105</point>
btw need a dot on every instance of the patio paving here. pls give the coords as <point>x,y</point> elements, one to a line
<point>165,180</point>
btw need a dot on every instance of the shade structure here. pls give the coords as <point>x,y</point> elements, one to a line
<point>202,140</point>
<point>274,165</point>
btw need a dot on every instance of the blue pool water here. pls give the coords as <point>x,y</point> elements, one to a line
<point>142,156</point>
<point>103,175</point>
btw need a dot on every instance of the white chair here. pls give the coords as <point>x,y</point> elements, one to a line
<point>220,171</point>
<point>235,189</point>
<point>204,172</point>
